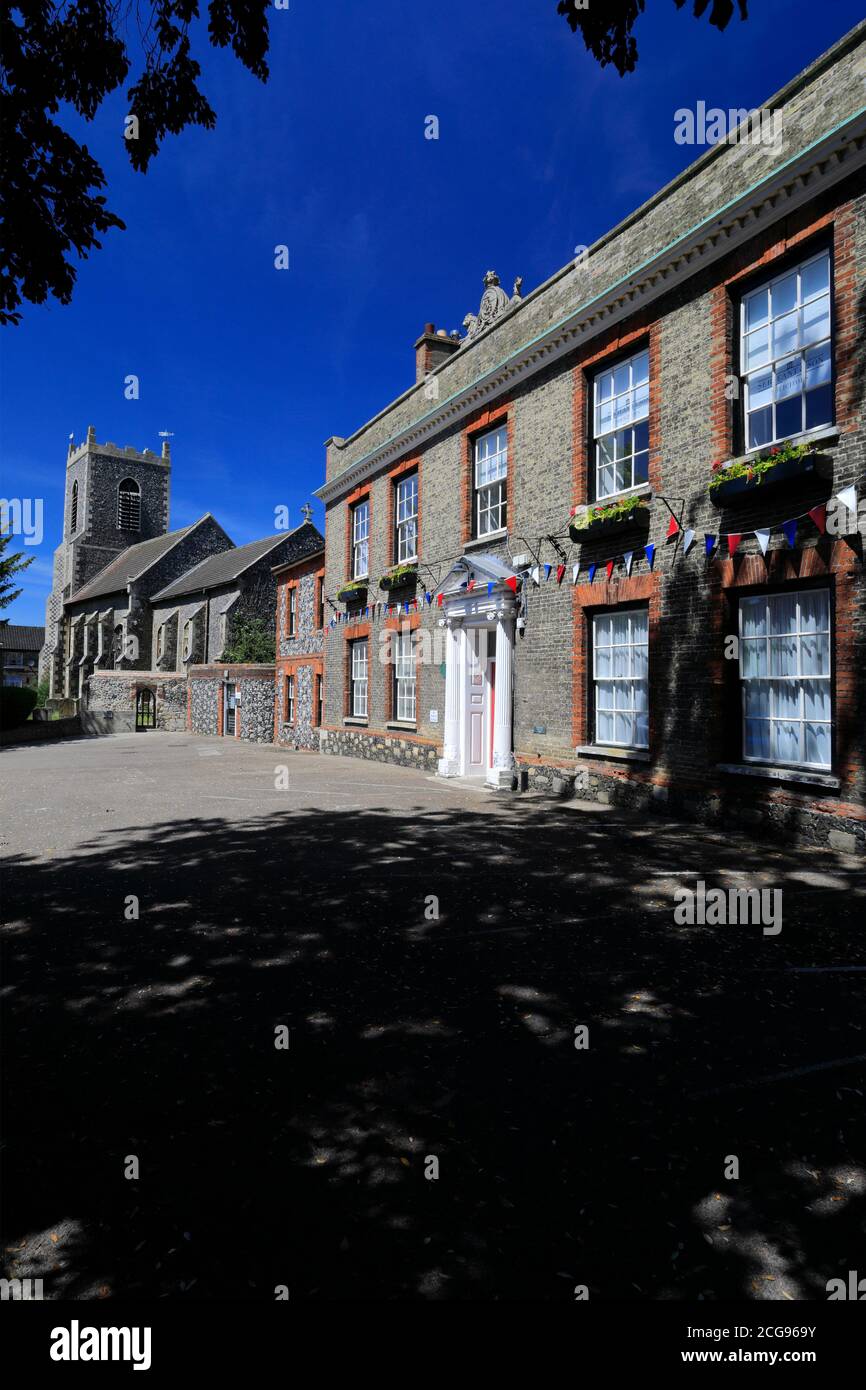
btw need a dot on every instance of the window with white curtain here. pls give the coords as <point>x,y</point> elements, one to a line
<point>406,518</point>
<point>491,481</point>
<point>358,704</point>
<point>786,354</point>
<point>404,676</point>
<point>361,540</point>
<point>785,675</point>
<point>621,426</point>
<point>621,677</point>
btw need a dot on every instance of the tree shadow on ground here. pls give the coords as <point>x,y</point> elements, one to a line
<point>413,1037</point>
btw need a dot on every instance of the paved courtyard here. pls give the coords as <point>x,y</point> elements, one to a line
<point>412,1036</point>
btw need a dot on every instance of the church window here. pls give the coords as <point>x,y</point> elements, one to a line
<point>129,506</point>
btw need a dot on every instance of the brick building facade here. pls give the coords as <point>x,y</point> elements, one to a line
<point>696,653</point>
<point>299,691</point>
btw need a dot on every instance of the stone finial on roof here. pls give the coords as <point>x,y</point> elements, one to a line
<point>307,512</point>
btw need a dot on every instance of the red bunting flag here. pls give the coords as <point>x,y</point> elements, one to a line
<point>470,586</point>
<point>560,571</point>
<point>609,568</point>
<point>509,584</point>
<point>819,516</point>
<point>673,527</point>
<point>734,540</point>
<point>439,600</point>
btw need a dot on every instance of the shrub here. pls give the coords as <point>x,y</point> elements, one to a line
<point>17,702</point>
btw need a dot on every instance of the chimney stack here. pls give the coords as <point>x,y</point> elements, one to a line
<point>432,349</point>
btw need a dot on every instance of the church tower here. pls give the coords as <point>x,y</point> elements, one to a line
<point>114,498</point>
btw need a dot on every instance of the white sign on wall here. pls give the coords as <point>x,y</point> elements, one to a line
<point>434,716</point>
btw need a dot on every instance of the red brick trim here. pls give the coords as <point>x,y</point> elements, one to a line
<point>363,493</point>
<point>478,424</point>
<point>614,345</point>
<point>605,594</point>
<point>765,252</point>
<point>393,476</point>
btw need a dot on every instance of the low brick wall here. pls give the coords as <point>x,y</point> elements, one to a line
<point>782,815</point>
<point>41,731</point>
<point>380,748</point>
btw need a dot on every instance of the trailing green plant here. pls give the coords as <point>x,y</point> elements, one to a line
<point>398,572</point>
<point>758,467</point>
<point>355,586</point>
<point>609,511</point>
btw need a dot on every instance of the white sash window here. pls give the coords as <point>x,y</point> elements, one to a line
<point>785,677</point>
<point>491,485</point>
<point>404,677</point>
<point>621,426</point>
<point>621,678</point>
<point>359,678</point>
<point>361,540</point>
<point>406,518</point>
<point>786,354</point>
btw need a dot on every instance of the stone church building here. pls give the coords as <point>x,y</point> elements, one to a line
<point>132,599</point>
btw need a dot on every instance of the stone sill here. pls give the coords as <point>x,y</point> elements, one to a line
<point>623,755</point>
<point>640,490</point>
<point>401,727</point>
<point>781,774</point>
<point>353,723</point>
<point>821,436</point>
<point>480,541</point>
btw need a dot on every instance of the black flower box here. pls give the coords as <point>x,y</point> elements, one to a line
<point>635,520</point>
<point>740,489</point>
<point>352,593</point>
<point>406,579</point>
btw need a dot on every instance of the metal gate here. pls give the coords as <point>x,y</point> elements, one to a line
<point>145,710</point>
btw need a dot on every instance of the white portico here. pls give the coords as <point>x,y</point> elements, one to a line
<point>479,612</point>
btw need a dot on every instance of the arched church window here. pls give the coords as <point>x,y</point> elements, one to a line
<point>129,505</point>
<point>73,513</point>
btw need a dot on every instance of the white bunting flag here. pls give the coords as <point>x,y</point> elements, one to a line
<point>688,541</point>
<point>575,571</point>
<point>627,559</point>
<point>535,574</point>
<point>763,539</point>
<point>848,498</point>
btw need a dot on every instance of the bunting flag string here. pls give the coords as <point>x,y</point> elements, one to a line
<point>715,544</point>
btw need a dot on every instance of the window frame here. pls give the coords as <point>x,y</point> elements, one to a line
<point>482,503</point>
<point>292,611</point>
<point>318,699</point>
<point>407,520</point>
<point>360,543</point>
<point>787,593</point>
<point>73,508</point>
<point>359,684</point>
<point>609,368</point>
<point>290,698</point>
<point>133,493</point>
<point>320,603</point>
<point>595,616</point>
<point>401,661</point>
<point>792,267</point>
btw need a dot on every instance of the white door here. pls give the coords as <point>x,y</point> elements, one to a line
<point>476,705</point>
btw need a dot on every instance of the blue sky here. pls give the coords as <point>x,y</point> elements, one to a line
<point>539,150</point>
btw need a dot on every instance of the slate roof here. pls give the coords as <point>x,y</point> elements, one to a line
<point>229,565</point>
<point>21,639</point>
<point>131,563</point>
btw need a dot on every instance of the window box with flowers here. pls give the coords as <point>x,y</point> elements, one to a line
<point>603,519</point>
<point>352,593</point>
<point>735,482</point>
<point>400,577</point>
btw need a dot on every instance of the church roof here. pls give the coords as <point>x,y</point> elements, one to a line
<point>229,565</point>
<point>132,563</point>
